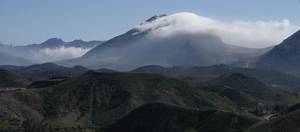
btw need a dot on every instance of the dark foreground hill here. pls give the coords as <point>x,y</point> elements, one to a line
<point>10,80</point>
<point>201,74</point>
<point>112,101</point>
<point>98,99</point>
<point>104,97</point>
<point>159,117</point>
<point>284,123</point>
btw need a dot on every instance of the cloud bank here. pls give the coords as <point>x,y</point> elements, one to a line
<point>255,34</point>
<point>61,53</point>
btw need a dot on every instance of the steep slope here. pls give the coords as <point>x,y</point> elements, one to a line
<point>202,74</point>
<point>20,109</point>
<point>168,118</point>
<point>163,40</point>
<point>284,57</point>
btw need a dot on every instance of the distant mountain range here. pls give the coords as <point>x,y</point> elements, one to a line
<point>51,50</point>
<point>45,71</point>
<point>56,43</point>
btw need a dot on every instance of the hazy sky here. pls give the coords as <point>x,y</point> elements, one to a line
<point>33,21</point>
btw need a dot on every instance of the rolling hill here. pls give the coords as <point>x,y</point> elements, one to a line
<point>104,97</point>
<point>46,70</point>
<point>160,117</point>
<point>248,92</point>
<point>201,74</point>
<point>108,101</point>
<point>99,99</point>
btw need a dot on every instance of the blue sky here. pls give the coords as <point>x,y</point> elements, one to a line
<point>33,21</point>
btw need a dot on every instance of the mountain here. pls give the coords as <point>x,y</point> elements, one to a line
<point>53,49</point>
<point>161,117</point>
<point>50,43</point>
<point>283,57</point>
<point>162,41</point>
<point>197,74</point>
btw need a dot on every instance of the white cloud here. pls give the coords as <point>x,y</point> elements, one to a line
<point>61,53</point>
<point>242,33</point>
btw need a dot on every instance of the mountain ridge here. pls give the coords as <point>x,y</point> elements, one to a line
<point>48,51</point>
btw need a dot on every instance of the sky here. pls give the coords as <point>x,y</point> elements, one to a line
<point>34,21</point>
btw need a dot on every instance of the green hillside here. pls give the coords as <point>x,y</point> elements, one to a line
<point>98,99</point>
<point>249,92</point>
<point>160,117</point>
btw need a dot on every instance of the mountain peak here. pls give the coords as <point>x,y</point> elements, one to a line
<point>155,17</point>
<point>77,41</point>
<point>53,41</point>
<point>183,21</point>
